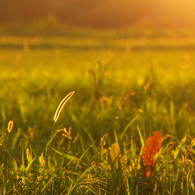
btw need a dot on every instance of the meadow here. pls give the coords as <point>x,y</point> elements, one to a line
<point>126,85</point>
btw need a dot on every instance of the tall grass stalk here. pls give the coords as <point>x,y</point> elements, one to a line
<point>56,116</point>
<point>9,129</point>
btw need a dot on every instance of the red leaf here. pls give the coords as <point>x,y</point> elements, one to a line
<point>152,146</point>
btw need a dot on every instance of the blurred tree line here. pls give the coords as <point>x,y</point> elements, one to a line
<point>97,13</point>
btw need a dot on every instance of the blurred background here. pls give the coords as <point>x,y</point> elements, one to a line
<point>60,14</point>
<point>124,58</point>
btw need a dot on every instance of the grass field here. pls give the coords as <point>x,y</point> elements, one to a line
<point>127,86</point>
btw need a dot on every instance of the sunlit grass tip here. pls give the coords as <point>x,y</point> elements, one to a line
<point>61,105</point>
<point>10,126</point>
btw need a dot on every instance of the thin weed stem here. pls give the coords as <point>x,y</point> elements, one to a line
<point>50,140</point>
<point>9,129</point>
<point>56,116</point>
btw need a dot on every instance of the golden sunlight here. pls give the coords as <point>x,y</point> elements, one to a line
<point>103,14</point>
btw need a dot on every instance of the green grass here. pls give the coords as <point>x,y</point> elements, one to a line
<point>126,87</point>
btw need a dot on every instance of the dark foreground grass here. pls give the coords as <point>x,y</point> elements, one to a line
<point>98,138</point>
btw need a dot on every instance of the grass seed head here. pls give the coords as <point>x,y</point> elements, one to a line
<point>61,105</point>
<point>10,126</point>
